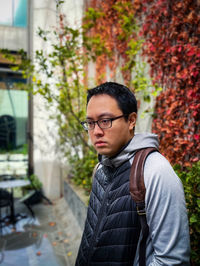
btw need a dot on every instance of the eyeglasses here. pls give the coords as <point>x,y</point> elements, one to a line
<point>102,123</point>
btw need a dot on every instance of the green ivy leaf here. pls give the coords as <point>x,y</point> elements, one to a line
<point>193,219</point>
<point>198,202</point>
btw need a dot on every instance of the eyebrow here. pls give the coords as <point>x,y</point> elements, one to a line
<point>102,115</point>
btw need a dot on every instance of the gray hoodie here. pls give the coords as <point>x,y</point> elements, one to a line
<point>168,242</point>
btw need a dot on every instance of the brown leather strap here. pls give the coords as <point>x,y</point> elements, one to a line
<point>137,187</point>
<point>137,191</point>
<point>145,233</point>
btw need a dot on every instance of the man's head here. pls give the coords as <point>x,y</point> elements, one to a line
<point>125,98</point>
<point>114,107</point>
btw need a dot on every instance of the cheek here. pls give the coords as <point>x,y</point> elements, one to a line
<point>114,138</point>
<point>92,138</point>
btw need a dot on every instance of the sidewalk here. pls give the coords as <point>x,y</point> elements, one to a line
<point>51,239</point>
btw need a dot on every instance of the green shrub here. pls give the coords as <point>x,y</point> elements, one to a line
<point>35,183</point>
<point>82,170</point>
<point>191,182</point>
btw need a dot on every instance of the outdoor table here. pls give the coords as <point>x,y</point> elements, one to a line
<point>13,184</point>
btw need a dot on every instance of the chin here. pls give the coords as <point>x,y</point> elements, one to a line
<point>103,152</point>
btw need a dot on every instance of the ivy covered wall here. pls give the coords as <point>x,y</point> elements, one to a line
<point>167,35</point>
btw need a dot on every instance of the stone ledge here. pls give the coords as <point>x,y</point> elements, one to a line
<point>77,202</point>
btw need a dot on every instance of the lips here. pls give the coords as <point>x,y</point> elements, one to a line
<point>100,143</point>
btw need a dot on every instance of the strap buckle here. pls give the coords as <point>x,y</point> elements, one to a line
<point>141,209</point>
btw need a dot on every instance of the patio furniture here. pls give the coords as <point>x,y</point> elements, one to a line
<point>5,202</point>
<point>9,183</point>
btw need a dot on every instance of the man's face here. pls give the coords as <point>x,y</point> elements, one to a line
<point>109,141</point>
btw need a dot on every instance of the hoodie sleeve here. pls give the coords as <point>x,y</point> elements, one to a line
<point>168,242</point>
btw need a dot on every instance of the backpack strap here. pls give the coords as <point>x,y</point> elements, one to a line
<point>137,191</point>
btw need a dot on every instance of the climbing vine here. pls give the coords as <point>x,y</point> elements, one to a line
<point>168,33</point>
<point>172,46</point>
<point>112,28</point>
<point>111,32</point>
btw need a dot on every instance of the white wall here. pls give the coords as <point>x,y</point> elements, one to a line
<point>47,161</point>
<point>13,38</point>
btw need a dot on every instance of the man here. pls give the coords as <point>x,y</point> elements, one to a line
<point>112,228</point>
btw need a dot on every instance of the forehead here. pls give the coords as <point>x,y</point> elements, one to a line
<point>102,104</point>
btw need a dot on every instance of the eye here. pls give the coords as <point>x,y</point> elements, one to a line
<point>90,124</point>
<point>104,122</point>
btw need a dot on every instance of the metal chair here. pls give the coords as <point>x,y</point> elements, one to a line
<point>5,202</point>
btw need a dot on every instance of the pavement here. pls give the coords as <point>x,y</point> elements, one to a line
<point>52,238</point>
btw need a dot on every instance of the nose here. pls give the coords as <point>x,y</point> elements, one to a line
<point>97,130</point>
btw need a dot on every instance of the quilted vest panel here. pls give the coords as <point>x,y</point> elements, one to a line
<point>112,226</point>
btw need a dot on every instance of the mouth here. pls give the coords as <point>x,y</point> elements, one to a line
<point>100,143</point>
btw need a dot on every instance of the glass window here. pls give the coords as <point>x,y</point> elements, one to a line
<point>20,13</point>
<point>13,13</point>
<point>13,126</point>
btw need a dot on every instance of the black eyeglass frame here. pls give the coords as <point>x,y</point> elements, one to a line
<point>97,122</point>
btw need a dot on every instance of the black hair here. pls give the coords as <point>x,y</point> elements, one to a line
<point>125,98</point>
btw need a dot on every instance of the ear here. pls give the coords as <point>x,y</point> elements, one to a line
<point>132,120</point>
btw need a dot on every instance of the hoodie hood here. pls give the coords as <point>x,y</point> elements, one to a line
<point>139,141</point>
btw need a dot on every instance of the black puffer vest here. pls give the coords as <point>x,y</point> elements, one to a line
<point>112,226</point>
